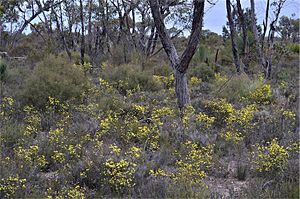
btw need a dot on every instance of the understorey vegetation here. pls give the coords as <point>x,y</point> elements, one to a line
<point>103,113</point>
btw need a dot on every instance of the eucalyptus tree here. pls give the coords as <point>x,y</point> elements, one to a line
<point>259,50</point>
<point>236,58</point>
<point>179,64</point>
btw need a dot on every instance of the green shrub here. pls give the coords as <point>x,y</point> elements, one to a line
<point>295,48</point>
<point>203,71</point>
<point>130,77</point>
<point>54,77</point>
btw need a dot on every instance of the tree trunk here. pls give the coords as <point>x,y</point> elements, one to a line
<point>180,64</point>
<point>181,88</point>
<point>245,36</point>
<point>82,47</point>
<point>90,38</point>
<point>259,52</point>
<point>236,58</point>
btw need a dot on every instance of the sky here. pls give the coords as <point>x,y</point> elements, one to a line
<point>215,16</point>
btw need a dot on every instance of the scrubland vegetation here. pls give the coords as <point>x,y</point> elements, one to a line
<point>111,128</point>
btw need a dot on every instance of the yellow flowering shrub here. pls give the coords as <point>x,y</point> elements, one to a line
<point>74,150</point>
<point>220,79</point>
<point>159,172</point>
<point>86,66</point>
<point>76,192</point>
<point>27,154</point>
<point>205,120</point>
<point>187,114</point>
<point>32,120</point>
<point>261,95</point>
<point>193,162</point>
<point>58,157</point>
<point>11,185</point>
<point>289,114</point>
<point>236,122</point>
<point>195,81</point>
<point>6,108</point>
<point>167,82</point>
<point>271,157</point>
<point>191,165</point>
<point>58,111</point>
<point>120,173</point>
<point>220,108</point>
<point>160,113</point>
<point>115,149</point>
<point>56,135</point>
<point>134,152</point>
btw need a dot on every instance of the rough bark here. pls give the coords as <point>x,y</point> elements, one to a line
<point>236,58</point>
<point>181,88</point>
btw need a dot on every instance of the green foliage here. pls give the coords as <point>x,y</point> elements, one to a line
<point>203,71</point>
<point>129,77</point>
<point>54,77</point>
<point>295,48</point>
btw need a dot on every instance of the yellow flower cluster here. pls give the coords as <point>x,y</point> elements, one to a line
<point>167,82</point>
<point>84,67</point>
<point>75,192</point>
<point>289,114</point>
<point>261,95</point>
<point>56,135</point>
<point>120,173</point>
<point>270,157</point>
<point>105,85</point>
<point>27,154</point>
<point>74,150</point>
<point>220,106</point>
<point>243,116</point>
<point>134,152</point>
<point>187,114</point>
<point>205,120</point>
<point>237,121</point>
<point>106,123</point>
<point>159,113</point>
<point>191,166</point>
<point>10,185</point>
<point>195,81</point>
<point>140,108</point>
<point>32,119</point>
<point>6,107</point>
<point>58,157</point>
<point>55,106</point>
<point>115,149</point>
<point>159,172</point>
<point>220,79</point>
<point>234,136</point>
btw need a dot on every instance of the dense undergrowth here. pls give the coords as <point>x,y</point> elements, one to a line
<point>69,133</point>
